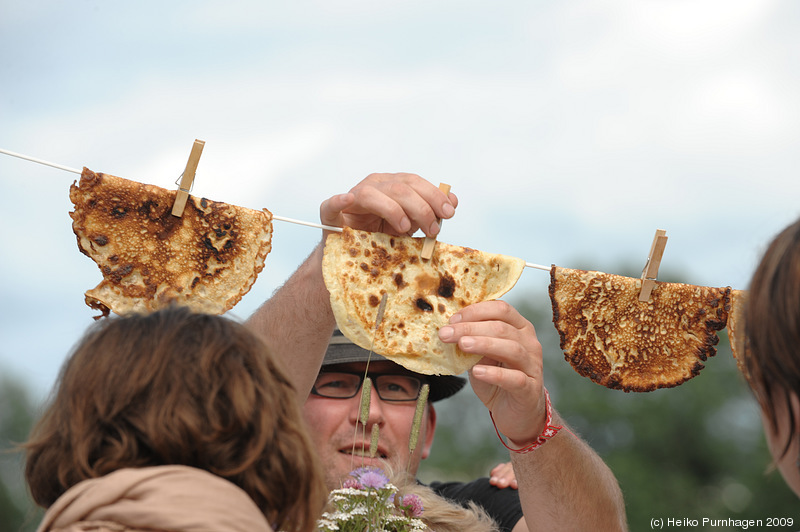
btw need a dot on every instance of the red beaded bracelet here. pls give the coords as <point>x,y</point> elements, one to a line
<point>549,431</point>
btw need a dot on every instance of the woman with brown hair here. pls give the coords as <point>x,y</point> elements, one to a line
<point>173,421</point>
<point>772,354</point>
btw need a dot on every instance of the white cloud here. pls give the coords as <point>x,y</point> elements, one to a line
<point>691,28</point>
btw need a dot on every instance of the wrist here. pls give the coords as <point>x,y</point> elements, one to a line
<point>549,430</point>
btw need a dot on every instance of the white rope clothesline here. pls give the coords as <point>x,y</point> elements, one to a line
<point>274,216</point>
<point>40,161</point>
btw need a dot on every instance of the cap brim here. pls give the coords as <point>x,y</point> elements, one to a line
<point>342,351</point>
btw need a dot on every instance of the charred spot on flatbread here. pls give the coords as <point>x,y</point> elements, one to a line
<point>206,259</point>
<point>359,267</point>
<point>617,341</point>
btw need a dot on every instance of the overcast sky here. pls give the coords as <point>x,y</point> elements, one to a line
<point>570,131</point>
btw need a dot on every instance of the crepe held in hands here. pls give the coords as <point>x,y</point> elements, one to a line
<point>359,267</point>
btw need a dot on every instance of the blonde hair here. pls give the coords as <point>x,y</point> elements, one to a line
<point>441,514</point>
<point>178,388</point>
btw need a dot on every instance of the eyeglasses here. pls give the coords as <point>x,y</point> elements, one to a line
<point>390,386</point>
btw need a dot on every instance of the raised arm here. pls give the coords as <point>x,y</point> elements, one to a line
<point>297,322</point>
<point>563,483</point>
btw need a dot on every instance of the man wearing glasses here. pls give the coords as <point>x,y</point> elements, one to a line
<point>333,412</point>
<point>563,484</point>
<point>334,404</point>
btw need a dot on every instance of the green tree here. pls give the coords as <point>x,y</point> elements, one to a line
<point>17,511</point>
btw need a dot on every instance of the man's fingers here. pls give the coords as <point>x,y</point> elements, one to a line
<point>508,379</point>
<point>397,197</point>
<point>499,341</point>
<point>398,210</point>
<point>490,311</point>
<point>331,209</point>
<point>397,204</point>
<point>503,476</point>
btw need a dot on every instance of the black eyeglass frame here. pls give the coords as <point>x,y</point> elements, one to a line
<point>374,377</point>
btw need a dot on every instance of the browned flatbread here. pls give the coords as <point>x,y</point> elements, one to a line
<point>735,326</point>
<point>360,267</point>
<point>608,335</point>
<point>207,259</point>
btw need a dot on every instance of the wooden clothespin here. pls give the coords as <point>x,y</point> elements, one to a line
<point>650,271</point>
<point>430,243</point>
<point>187,179</point>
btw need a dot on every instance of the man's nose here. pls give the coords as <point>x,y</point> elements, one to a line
<point>368,407</point>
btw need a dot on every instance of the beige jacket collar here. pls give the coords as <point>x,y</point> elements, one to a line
<point>169,498</point>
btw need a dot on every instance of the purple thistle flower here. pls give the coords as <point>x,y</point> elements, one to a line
<point>373,479</point>
<point>360,471</point>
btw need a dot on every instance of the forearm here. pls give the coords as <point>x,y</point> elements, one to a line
<point>565,485</point>
<point>296,323</point>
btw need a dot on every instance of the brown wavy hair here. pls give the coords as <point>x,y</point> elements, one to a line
<point>772,328</point>
<point>178,388</point>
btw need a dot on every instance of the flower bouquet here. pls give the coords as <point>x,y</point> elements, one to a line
<point>368,501</point>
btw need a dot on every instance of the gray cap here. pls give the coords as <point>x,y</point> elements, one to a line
<point>342,351</point>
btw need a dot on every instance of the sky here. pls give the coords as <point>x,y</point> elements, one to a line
<point>570,131</point>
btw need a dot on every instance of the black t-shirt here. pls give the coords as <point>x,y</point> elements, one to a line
<point>501,504</point>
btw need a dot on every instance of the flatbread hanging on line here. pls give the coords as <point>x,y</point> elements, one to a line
<point>359,267</point>
<point>207,259</point>
<point>610,336</point>
<point>736,326</point>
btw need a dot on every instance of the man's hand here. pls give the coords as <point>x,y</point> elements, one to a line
<point>502,476</point>
<point>508,380</point>
<point>563,485</point>
<point>397,204</point>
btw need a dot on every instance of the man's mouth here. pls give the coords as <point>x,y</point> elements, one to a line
<point>362,452</point>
